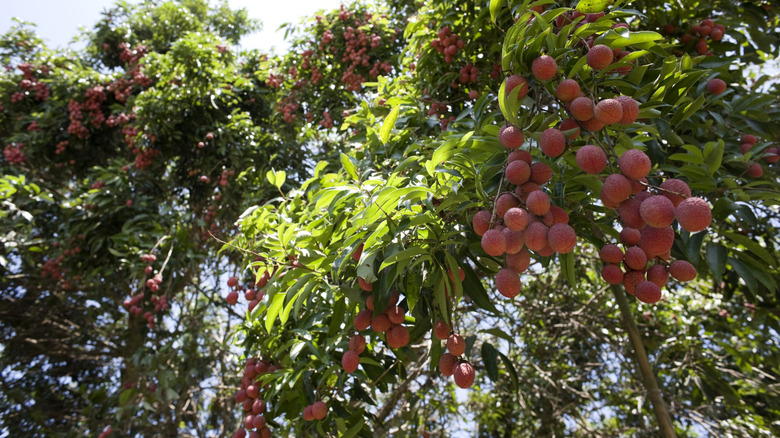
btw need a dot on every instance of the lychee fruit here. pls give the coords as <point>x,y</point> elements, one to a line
<point>536,236</point>
<point>634,164</point>
<point>538,202</point>
<point>562,238</point>
<point>657,211</point>
<point>441,330</point>
<point>694,214</point>
<point>507,201</point>
<point>647,292</point>
<point>716,86</point>
<point>508,282</point>
<point>658,275</point>
<point>518,172</point>
<point>612,274</point>
<point>481,222</point>
<point>568,90</point>
<point>608,111</point>
<point>363,319</point>
<point>630,109</point>
<point>570,125</point>
<point>552,142</point>
<point>456,345</point>
<point>582,109</point>
<point>516,81</point>
<point>516,219</point>
<point>616,188</point>
<point>511,137</point>
<point>540,174</point>
<point>679,188</point>
<point>447,364</point>
<point>591,159</point>
<point>398,337</point>
<point>682,270</point>
<point>357,343</point>
<point>600,57</point>
<point>319,409</point>
<point>611,253</point>
<point>350,361</point>
<point>494,242</point>
<point>635,258</point>
<point>656,241</point>
<point>463,374</point>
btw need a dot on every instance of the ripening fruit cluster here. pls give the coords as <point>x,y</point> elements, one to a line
<point>253,293</point>
<point>448,43</point>
<point>315,411</point>
<point>771,155</point>
<point>135,304</point>
<point>250,397</point>
<point>648,235</point>
<point>698,36</point>
<point>451,364</point>
<point>389,322</point>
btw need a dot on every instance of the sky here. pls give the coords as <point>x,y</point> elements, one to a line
<point>59,21</point>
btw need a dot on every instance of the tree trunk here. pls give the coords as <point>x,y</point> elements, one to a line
<point>666,428</point>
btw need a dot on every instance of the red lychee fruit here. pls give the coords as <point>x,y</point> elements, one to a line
<point>232,298</point>
<point>716,86</point>
<point>755,170</point>
<point>350,361</point>
<point>507,201</point>
<point>441,330</point>
<point>630,213</point>
<point>508,282</point>
<point>616,188</point>
<point>357,343</point>
<point>608,111</point>
<point>381,323</point>
<point>562,238</point>
<point>682,270</point>
<point>634,164</point>
<point>635,258</point>
<point>629,236</point>
<point>544,67</point>
<point>647,292</point>
<point>678,187</point>
<point>552,142</point>
<point>570,125</point>
<point>694,214</point>
<point>630,109</point>
<point>657,211</point>
<point>612,274</point>
<point>232,282</point>
<point>631,279</point>
<point>366,286</point>
<point>536,236</point>
<point>456,345</point>
<point>593,125</point>
<point>611,253</point>
<point>519,154</point>
<point>582,109</point>
<point>357,253</point>
<point>656,241</point>
<point>600,57</point>
<point>748,138</point>
<point>514,240</point>
<point>658,275</point>
<point>463,374</point>
<point>447,364</point>
<point>481,222</point>
<point>538,202</point>
<point>518,172</point>
<point>520,261</point>
<point>511,137</point>
<point>540,174</point>
<point>591,159</point>
<point>398,337</point>
<point>494,242</point>
<point>319,409</point>
<point>363,319</point>
<point>568,90</point>
<point>516,219</point>
<point>516,81</point>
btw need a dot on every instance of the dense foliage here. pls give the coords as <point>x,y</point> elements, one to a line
<point>340,188</point>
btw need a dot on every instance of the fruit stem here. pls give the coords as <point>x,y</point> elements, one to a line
<point>666,428</point>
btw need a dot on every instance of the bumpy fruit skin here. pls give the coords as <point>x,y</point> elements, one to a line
<point>516,81</point>
<point>536,236</point>
<point>634,164</point>
<point>562,238</point>
<point>635,258</point>
<point>514,240</point>
<point>456,345</point>
<point>307,414</point>
<point>506,201</point>
<point>629,236</point>
<point>611,254</point>
<point>591,159</point>
<point>357,343</point>
<point>540,174</point>
<point>560,216</point>
<point>398,337</point>
<point>600,57</point>
<point>363,319</point>
<point>748,138</point>
<point>772,156</point>
<point>481,222</point>
<point>657,211</point>
<point>518,172</point>
<point>629,211</point>
<point>516,219</point>
<point>366,286</point>
<point>538,202</point>
<point>397,315</point>
<point>232,297</point>
<point>582,109</point>
<point>608,111</point>
<point>658,275</point>
<point>612,274</point>
<point>232,282</point>
<point>570,125</point>
<point>552,142</point>
<point>463,374</point>
<point>677,187</point>
<point>694,214</point>
<point>716,86</point>
<point>494,242</point>
<point>511,137</point>
<point>319,409</point>
<point>616,188</point>
<point>441,330</point>
<point>630,109</point>
<point>350,361</point>
<point>381,323</point>
<point>508,282</point>
<point>447,364</point>
<point>647,292</point>
<point>520,261</point>
<point>357,253</point>
<point>682,270</point>
<point>656,241</point>
<point>631,279</point>
<point>568,90</point>
<point>755,170</point>
<point>544,67</point>
<point>519,154</point>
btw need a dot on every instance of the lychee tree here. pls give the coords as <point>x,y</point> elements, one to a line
<point>506,242</point>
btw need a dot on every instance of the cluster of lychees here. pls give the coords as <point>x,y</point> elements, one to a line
<point>451,363</point>
<point>135,305</point>
<point>250,397</point>
<point>253,292</point>
<point>771,155</point>
<point>315,411</point>
<point>448,43</point>
<point>389,321</point>
<point>698,36</point>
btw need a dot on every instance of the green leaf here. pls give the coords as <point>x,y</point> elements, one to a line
<point>474,288</point>
<point>490,357</point>
<point>401,256</point>
<point>744,273</point>
<point>353,431</point>
<point>388,124</point>
<point>495,5</point>
<point>273,310</point>
<point>276,178</point>
<point>349,166</point>
<point>590,6</point>
<point>752,246</point>
<point>716,259</point>
<point>567,266</point>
